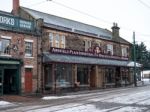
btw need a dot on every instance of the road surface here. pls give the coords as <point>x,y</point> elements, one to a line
<point>133,99</point>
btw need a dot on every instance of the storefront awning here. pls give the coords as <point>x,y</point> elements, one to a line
<point>9,60</point>
<point>48,58</point>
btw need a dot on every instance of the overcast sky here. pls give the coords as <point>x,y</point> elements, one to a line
<point>131,15</point>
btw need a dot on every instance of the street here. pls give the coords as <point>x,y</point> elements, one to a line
<point>130,99</point>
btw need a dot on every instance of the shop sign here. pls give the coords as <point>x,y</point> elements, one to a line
<point>15,22</point>
<point>89,54</point>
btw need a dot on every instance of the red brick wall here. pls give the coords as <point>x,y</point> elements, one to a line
<point>21,54</point>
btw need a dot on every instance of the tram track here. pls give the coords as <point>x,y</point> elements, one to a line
<point>80,100</point>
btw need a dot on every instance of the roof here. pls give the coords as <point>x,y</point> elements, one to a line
<point>74,26</point>
<point>81,60</point>
<point>6,13</point>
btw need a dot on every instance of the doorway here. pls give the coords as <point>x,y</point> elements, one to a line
<point>28,80</point>
<point>10,81</point>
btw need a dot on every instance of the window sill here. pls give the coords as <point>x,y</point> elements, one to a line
<point>7,55</point>
<point>29,57</point>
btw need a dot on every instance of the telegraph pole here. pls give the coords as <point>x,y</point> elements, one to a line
<point>134,56</point>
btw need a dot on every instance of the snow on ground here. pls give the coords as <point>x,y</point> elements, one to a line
<point>88,108</point>
<point>2,103</point>
<point>130,109</point>
<point>130,99</point>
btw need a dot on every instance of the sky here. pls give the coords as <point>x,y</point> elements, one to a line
<point>130,15</point>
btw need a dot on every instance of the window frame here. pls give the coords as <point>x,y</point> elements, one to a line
<point>31,49</point>
<point>4,46</point>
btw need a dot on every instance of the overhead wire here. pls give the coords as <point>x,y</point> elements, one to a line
<point>91,16</point>
<point>143,3</point>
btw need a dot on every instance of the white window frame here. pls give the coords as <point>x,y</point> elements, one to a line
<point>63,41</point>
<point>51,39</point>
<point>124,51</point>
<point>57,39</point>
<point>110,48</point>
<point>27,54</point>
<point>1,45</point>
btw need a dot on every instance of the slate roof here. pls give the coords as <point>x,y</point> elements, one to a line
<point>69,25</point>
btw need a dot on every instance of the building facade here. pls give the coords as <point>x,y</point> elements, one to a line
<point>49,54</point>
<point>77,55</point>
<point>18,55</point>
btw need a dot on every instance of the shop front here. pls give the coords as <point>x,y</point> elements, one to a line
<point>68,71</point>
<point>9,76</point>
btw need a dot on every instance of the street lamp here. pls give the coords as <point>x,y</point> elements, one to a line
<point>134,56</point>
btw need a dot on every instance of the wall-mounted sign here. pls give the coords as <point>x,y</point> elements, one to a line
<point>89,54</point>
<point>16,22</point>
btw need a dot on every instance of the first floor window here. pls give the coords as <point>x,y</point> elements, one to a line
<point>51,38</point>
<point>110,49</point>
<point>28,49</point>
<point>124,52</point>
<point>5,46</point>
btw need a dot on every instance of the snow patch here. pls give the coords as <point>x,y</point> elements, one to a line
<point>130,109</point>
<point>2,103</point>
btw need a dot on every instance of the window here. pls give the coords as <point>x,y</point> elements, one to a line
<point>110,49</point>
<point>57,41</point>
<point>5,46</point>
<point>51,39</point>
<point>62,41</point>
<point>124,52</point>
<point>28,49</point>
<point>87,45</point>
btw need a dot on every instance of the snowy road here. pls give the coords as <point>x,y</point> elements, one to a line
<point>117,100</point>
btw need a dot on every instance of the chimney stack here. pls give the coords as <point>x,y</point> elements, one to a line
<point>16,5</point>
<point>115,30</point>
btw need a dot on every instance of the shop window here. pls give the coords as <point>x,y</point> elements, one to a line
<point>63,75</point>
<point>109,75</point>
<point>110,49</point>
<point>51,38</point>
<point>28,49</point>
<point>5,46</point>
<point>82,75</point>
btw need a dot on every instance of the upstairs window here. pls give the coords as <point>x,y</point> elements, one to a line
<point>5,46</point>
<point>124,52</point>
<point>87,45</point>
<point>28,49</point>
<point>51,39</point>
<point>57,40</point>
<point>62,41</point>
<point>110,49</point>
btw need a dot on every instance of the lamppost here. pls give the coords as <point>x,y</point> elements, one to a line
<point>134,56</point>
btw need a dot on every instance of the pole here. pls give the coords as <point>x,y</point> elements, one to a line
<point>134,56</point>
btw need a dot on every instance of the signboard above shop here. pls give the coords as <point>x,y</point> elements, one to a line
<point>16,22</point>
<point>86,54</point>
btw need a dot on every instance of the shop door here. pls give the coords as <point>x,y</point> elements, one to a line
<point>28,80</point>
<point>1,82</point>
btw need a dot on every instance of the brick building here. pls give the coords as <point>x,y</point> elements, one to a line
<point>18,55</point>
<point>70,54</point>
<point>75,54</point>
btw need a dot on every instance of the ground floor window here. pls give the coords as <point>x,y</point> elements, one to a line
<point>109,75</point>
<point>58,75</point>
<point>63,75</point>
<point>82,74</point>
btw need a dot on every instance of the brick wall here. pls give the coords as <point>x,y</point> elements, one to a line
<point>18,39</point>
